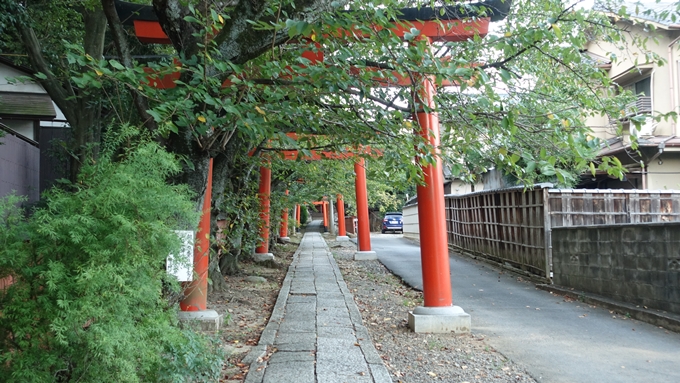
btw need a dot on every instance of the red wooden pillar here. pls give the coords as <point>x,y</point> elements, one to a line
<point>324,211</point>
<point>431,214</point>
<point>283,233</point>
<point>342,232</point>
<point>196,293</point>
<point>264,194</point>
<point>297,214</point>
<point>362,205</point>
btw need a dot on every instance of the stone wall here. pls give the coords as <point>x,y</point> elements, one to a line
<point>635,263</point>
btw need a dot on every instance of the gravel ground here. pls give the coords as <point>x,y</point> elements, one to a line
<point>384,302</point>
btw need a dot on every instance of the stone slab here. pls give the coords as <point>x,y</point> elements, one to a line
<point>288,357</point>
<point>301,341</point>
<point>263,257</point>
<point>443,320</point>
<point>205,320</point>
<point>365,256</point>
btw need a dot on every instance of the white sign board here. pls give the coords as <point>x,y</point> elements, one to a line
<point>182,265</point>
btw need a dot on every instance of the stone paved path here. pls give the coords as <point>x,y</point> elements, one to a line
<point>315,333</point>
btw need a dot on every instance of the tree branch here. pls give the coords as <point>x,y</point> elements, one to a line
<point>119,39</point>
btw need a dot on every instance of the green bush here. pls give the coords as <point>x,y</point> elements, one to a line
<point>88,300</point>
<point>304,215</point>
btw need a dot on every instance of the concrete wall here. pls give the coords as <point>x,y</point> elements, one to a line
<point>410,221</point>
<point>636,263</point>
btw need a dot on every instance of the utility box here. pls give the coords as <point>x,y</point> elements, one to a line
<point>182,265</point>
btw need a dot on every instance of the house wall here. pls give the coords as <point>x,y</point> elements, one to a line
<point>24,127</point>
<point>53,157</point>
<point>665,176</point>
<point>9,72</point>
<point>19,168</point>
<point>410,222</point>
<point>460,187</point>
<point>662,88</point>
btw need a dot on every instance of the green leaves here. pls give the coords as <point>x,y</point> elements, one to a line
<point>89,274</point>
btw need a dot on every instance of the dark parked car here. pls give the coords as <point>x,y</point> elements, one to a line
<point>392,222</point>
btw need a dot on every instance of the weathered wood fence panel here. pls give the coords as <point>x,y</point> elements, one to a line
<point>570,207</point>
<point>513,226</point>
<point>506,226</point>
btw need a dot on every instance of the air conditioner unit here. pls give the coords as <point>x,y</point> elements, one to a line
<point>646,129</point>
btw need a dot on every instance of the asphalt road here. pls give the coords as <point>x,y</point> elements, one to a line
<point>557,341</point>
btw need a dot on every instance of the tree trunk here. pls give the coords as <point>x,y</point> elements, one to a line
<point>82,110</point>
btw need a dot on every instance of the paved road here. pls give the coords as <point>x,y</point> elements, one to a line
<point>557,341</point>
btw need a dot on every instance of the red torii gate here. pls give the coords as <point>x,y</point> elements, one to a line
<point>364,252</point>
<point>438,313</point>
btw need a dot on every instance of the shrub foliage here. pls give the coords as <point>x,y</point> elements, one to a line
<point>87,303</point>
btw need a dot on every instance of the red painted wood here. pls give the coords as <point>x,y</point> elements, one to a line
<point>264,194</point>
<point>431,213</point>
<point>150,32</point>
<point>445,30</point>
<point>284,222</point>
<point>362,205</point>
<point>196,292</point>
<point>324,210</point>
<point>341,216</point>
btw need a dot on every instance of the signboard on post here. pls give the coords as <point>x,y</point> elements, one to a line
<point>182,265</point>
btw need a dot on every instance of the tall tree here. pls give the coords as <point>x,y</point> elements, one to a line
<point>246,79</point>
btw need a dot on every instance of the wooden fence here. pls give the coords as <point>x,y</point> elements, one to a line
<point>569,207</point>
<point>513,226</point>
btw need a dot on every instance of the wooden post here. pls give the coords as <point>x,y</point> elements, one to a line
<point>196,293</point>
<point>264,194</point>
<point>297,215</point>
<point>362,205</point>
<point>432,221</point>
<point>324,211</point>
<point>342,232</point>
<point>283,233</point>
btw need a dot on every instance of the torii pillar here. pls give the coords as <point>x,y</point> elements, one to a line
<point>364,236</point>
<point>283,233</point>
<point>324,211</point>
<point>342,232</point>
<point>297,216</point>
<point>194,305</point>
<point>262,250</point>
<point>438,313</point>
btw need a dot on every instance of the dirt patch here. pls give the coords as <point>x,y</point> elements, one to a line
<point>247,304</point>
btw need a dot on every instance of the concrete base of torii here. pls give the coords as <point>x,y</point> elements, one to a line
<point>365,256</point>
<point>452,319</point>
<point>342,238</point>
<point>263,257</point>
<point>204,320</point>
<point>284,239</point>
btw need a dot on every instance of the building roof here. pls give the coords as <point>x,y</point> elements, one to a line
<point>618,145</point>
<point>662,14</point>
<point>26,105</point>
